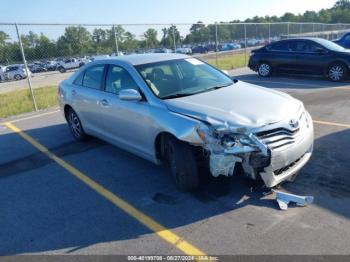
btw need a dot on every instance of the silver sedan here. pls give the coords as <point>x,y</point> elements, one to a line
<point>180,111</point>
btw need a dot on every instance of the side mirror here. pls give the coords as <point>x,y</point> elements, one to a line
<point>130,95</point>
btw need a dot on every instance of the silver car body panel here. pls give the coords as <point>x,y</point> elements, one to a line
<point>241,109</point>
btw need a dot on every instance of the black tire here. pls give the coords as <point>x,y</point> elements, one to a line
<point>182,164</point>
<point>61,69</point>
<point>75,126</point>
<point>264,69</point>
<point>337,72</point>
<point>17,77</point>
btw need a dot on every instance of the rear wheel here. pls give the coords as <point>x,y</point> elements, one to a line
<point>264,69</point>
<point>18,77</point>
<point>75,125</point>
<point>182,164</point>
<point>337,72</point>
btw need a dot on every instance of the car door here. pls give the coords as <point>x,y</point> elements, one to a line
<point>280,57</point>
<point>310,57</point>
<point>127,123</point>
<point>86,93</point>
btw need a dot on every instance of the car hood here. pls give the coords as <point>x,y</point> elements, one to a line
<point>240,104</point>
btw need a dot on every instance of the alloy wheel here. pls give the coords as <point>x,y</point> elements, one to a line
<point>75,125</point>
<point>336,73</point>
<point>264,69</point>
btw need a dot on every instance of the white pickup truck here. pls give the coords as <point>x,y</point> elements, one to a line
<point>70,63</point>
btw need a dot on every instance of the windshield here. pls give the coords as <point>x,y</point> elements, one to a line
<point>330,45</point>
<point>182,77</point>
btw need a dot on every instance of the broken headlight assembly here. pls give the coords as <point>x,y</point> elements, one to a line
<point>227,146</point>
<point>230,140</point>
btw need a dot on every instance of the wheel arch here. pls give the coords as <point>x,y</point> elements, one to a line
<point>264,60</point>
<point>159,144</point>
<point>189,136</point>
<point>66,109</point>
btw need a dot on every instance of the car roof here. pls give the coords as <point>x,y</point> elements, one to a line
<point>140,59</point>
<point>300,38</point>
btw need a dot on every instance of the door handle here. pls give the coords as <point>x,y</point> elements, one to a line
<point>74,92</point>
<point>104,102</point>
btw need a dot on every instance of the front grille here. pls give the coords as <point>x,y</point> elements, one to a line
<point>284,169</point>
<point>278,137</point>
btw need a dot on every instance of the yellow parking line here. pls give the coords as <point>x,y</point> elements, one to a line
<point>153,225</point>
<point>331,123</point>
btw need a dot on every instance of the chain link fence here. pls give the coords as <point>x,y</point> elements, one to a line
<point>34,58</point>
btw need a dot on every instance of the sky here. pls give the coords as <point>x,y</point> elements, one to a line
<point>141,12</point>
<point>149,11</point>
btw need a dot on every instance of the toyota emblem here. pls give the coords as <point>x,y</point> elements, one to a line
<point>294,123</point>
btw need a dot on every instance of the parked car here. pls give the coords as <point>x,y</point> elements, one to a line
<point>200,50</point>
<point>344,41</point>
<point>70,63</point>
<point>37,68</point>
<point>180,111</point>
<point>120,53</point>
<point>163,50</point>
<point>98,57</point>
<point>15,72</point>
<point>302,55</point>
<point>51,65</point>
<point>184,50</point>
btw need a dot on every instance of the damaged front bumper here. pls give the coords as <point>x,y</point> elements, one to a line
<point>274,153</point>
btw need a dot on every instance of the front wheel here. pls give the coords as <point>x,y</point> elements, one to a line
<point>264,69</point>
<point>75,126</point>
<point>182,164</point>
<point>61,69</point>
<point>337,72</point>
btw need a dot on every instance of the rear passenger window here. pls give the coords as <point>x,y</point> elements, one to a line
<point>93,77</point>
<point>280,46</point>
<point>300,46</point>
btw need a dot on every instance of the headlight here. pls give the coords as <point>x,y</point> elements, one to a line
<point>235,139</point>
<point>223,136</point>
<point>230,140</point>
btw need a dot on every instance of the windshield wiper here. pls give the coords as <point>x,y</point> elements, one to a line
<point>212,88</point>
<point>194,93</point>
<point>176,95</point>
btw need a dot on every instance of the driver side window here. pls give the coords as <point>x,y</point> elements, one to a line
<point>117,79</point>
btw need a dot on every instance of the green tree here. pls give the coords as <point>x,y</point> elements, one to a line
<point>151,40</point>
<point>75,41</point>
<point>129,43</point>
<point>3,38</point>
